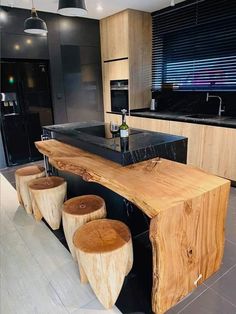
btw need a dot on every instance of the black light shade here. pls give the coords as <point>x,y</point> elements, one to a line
<point>72,7</point>
<point>35,25</point>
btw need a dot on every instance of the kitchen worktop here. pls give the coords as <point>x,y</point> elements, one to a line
<point>95,137</point>
<point>223,121</point>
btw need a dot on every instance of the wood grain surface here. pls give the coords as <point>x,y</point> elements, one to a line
<point>187,207</point>
<point>79,210</point>
<point>47,195</point>
<point>153,185</point>
<point>105,256</point>
<point>23,176</point>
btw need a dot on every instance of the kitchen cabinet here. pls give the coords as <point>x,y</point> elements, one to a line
<point>118,70</point>
<point>126,50</point>
<point>210,148</point>
<point>114,36</point>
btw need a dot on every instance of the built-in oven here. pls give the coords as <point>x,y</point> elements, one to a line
<point>119,95</point>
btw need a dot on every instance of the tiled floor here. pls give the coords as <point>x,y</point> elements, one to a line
<point>38,274</point>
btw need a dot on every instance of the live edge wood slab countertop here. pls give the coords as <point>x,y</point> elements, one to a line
<point>186,205</point>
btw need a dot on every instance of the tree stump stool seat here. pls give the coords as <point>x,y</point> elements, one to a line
<point>104,249</point>
<point>79,210</point>
<point>23,176</point>
<point>47,195</point>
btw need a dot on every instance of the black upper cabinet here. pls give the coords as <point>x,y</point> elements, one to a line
<point>24,47</point>
<point>79,32</point>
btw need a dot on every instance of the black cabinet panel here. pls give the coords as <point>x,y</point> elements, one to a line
<point>79,31</point>
<point>34,131</point>
<point>15,135</point>
<point>24,46</point>
<point>82,82</point>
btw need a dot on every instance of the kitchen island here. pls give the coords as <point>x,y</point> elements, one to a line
<point>95,137</point>
<point>186,207</point>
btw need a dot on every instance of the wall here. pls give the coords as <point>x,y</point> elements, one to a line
<point>81,100</point>
<point>190,102</point>
<point>73,50</point>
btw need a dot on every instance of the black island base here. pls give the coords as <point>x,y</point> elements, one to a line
<point>95,137</point>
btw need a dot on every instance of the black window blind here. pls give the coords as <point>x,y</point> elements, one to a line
<point>194,46</point>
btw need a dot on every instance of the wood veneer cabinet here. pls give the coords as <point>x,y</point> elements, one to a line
<point>210,148</point>
<point>114,36</point>
<point>126,50</point>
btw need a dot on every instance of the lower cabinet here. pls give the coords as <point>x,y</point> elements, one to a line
<point>210,148</point>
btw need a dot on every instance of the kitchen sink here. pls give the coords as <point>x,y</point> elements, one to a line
<point>204,116</point>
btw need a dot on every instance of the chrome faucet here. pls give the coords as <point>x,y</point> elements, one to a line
<point>220,105</point>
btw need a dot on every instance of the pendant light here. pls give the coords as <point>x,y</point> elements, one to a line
<point>72,7</point>
<point>35,25</point>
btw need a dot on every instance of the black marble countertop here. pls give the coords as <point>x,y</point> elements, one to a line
<point>223,121</point>
<point>96,138</point>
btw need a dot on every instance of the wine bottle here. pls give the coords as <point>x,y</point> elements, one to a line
<point>124,132</point>
<point>124,129</point>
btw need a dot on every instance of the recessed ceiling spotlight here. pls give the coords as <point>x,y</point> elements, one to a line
<point>99,7</point>
<point>3,16</point>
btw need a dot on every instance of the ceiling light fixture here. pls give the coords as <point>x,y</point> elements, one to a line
<point>99,8</point>
<point>172,3</point>
<point>35,25</point>
<point>72,8</point>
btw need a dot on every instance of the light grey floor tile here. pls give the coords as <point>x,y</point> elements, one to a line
<point>178,307</point>
<point>38,297</point>
<point>226,286</point>
<point>209,303</point>
<point>6,225</point>
<point>233,191</point>
<point>73,294</point>
<point>95,307</point>
<point>230,231</point>
<point>16,261</point>
<point>24,287</point>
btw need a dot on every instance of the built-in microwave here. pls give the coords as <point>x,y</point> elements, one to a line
<point>119,95</point>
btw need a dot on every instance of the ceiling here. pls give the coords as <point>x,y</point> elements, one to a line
<point>97,9</point>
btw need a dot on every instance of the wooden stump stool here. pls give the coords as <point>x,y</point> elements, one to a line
<point>79,210</point>
<point>104,249</point>
<point>23,176</point>
<point>47,195</point>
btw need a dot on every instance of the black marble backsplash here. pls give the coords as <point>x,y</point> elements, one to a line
<point>190,102</point>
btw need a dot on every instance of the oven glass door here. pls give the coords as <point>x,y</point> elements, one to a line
<point>119,100</point>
